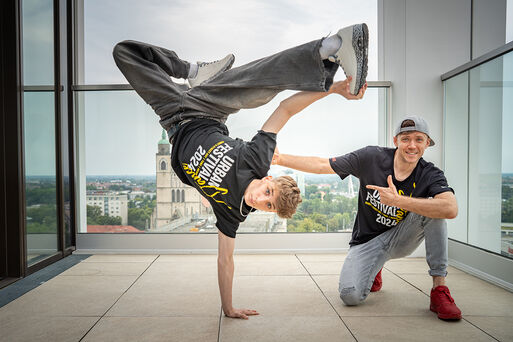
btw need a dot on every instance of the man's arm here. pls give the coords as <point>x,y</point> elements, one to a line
<point>299,101</point>
<point>443,205</point>
<point>225,277</point>
<point>306,164</point>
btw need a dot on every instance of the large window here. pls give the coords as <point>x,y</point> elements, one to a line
<point>121,148</point>
<point>478,154</point>
<point>39,130</point>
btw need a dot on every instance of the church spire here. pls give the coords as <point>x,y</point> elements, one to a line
<point>164,140</point>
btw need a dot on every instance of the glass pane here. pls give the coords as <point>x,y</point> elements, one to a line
<point>485,155</point>
<point>38,44</point>
<point>248,29</point>
<point>40,176</point>
<point>507,157</point>
<point>127,183</point>
<point>456,150</point>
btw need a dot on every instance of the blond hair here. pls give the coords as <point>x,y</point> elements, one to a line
<point>289,196</point>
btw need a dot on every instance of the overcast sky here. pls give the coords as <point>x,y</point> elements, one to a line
<point>121,131</point>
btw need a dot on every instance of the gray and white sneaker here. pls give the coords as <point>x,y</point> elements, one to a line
<point>209,70</point>
<point>352,54</point>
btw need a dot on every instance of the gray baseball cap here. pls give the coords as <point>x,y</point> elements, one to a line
<point>420,126</point>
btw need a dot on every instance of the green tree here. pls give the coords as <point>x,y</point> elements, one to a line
<point>42,219</point>
<point>507,211</point>
<point>139,217</point>
<point>309,190</point>
<point>95,217</point>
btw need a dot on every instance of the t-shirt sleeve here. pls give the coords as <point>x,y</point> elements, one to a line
<point>349,164</point>
<point>225,225</point>
<point>438,183</point>
<point>258,153</point>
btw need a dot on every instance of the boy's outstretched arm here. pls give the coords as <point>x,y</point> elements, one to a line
<point>299,101</point>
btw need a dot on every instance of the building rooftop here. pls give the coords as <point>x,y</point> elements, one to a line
<point>176,298</point>
<point>112,229</point>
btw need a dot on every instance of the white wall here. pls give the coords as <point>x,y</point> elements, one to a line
<point>488,26</point>
<point>419,41</point>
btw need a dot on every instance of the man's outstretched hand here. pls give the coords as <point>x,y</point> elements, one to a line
<point>241,313</point>
<point>276,157</point>
<point>342,88</point>
<point>388,195</point>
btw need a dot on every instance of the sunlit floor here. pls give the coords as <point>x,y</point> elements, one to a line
<point>175,298</point>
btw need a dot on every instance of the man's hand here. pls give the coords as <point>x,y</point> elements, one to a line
<point>276,157</point>
<point>388,196</point>
<point>342,88</point>
<point>241,313</point>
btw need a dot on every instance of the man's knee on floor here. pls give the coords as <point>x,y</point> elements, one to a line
<point>351,296</point>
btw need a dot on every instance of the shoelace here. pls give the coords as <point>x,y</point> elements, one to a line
<point>448,294</point>
<point>202,64</point>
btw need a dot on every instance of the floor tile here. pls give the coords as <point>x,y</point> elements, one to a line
<point>324,267</point>
<point>473,296</point>
<point>106,268</point>
<point>185,268</point>
<point>294,329</point>
<point>166,296</point>
<point>280,295</point>
<point>412,329</point>
<point>121,258</point>
<point>265,258</point>
<point>155,329</point>
<point>314,257</point>
<point>396,298</point>
<point>416,266</point>
<point>499,327</point>
<point>71,296</point>
<point>265,267</point>
<point>44,328</point>
<point>186,258</point>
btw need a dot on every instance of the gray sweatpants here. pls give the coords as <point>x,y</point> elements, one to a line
<point>148,69</point>
<point>364,261</point>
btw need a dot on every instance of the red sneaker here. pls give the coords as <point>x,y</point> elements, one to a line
<point>443,304</point>
<point>378,282</point>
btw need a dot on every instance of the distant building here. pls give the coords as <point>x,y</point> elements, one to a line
<point>112,229</point>
<point>175,200</point>
<point>133,194</point>
<point>300,180</point>
<point>110,203</point>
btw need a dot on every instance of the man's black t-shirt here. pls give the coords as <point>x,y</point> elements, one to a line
<point>221,168</point>
<point>372,165</point>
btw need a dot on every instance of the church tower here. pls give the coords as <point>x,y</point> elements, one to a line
<point>175,200</point>
<point>164,171</point>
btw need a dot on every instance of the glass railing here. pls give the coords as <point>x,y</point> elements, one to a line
<point>478,149</point>
<point>126,184</point>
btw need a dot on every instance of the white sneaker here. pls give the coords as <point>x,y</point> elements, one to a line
<point>352,54</point>
<point>207,71</point>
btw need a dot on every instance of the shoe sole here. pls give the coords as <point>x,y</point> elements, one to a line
<point>445,317</point>
<point>361,45</point>
<point>354,58</point>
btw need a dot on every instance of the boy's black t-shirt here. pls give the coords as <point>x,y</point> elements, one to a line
<point>221,168</point>
<point>372,165</point>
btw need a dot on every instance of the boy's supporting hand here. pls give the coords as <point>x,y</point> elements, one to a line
<point>342,88</point>
<point>241,313</point>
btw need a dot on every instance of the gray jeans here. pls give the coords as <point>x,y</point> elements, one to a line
<point>148,69</point>
<point>364,261</point>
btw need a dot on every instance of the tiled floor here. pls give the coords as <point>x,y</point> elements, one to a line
<point>175,298</point>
